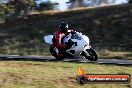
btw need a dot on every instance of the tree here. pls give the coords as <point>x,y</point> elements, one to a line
<point>21,5</point>
<point>46,6</point>
<point>99,2</point>
<point>2,8</point>
<point>75,3</point>
<point>130,1</point>
<point>5,9</point>
<point>85,3</point>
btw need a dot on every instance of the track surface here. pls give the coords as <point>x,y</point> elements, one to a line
<point>50,58</point>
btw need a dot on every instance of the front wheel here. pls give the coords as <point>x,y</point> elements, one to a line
<point>93,56</point>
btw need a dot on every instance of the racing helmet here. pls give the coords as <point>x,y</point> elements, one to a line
<point>63,27</point>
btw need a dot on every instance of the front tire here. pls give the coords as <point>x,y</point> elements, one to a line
<point>93,56</point>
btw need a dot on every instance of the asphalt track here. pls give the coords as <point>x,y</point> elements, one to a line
<point>79,60</point>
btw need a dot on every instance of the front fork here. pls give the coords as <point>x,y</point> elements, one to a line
<point>85,49</point>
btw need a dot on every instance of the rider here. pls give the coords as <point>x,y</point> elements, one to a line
<point>58,37</point>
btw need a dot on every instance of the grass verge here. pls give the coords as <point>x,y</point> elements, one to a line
<point>115,55</point>
<point>30,74</point>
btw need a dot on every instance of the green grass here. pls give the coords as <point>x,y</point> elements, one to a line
<point>30,74</point>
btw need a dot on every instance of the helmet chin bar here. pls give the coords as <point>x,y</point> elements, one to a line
<point>64,30</point>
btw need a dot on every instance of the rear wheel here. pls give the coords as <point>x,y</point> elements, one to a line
<point>58,56</point>
<point>93,56</point>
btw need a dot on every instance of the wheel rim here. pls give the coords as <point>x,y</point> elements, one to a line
<point>92,54</point>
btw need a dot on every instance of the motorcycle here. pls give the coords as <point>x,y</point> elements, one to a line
<point>80,47</point>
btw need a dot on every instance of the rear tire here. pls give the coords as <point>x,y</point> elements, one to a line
<point>93,54</point>
<point>53,53</point>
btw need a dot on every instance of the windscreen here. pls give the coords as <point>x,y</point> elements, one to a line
<point>76,36</point>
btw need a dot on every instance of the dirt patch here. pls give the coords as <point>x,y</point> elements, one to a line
<point>25,65</point>
<point>68,80</point>
<point>8,78</point>
<point>72,79</point>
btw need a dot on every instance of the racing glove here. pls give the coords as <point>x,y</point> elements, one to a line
<point>69,44</point>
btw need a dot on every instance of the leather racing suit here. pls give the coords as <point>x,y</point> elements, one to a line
<point>58,41</point>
